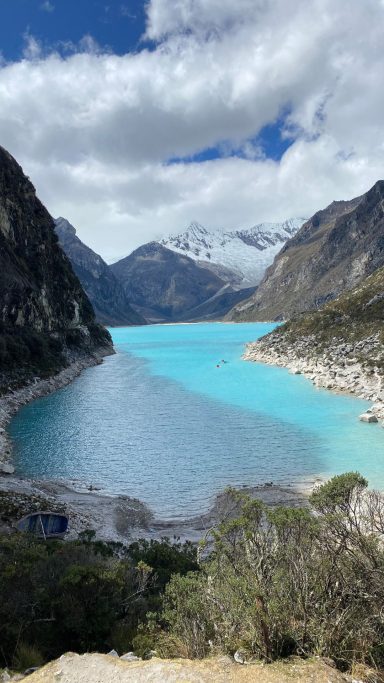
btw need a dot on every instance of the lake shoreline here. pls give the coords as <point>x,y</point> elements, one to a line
<point>123,519</point>
<point>332,371</point>
<point>11,402</point>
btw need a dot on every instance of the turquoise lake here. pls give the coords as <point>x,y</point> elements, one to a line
<point>160,422</point>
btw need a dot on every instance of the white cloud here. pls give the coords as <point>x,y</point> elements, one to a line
<point>94,130</point>
<point>47,6</point>
<point>166,17</point>
<point>32,48</point>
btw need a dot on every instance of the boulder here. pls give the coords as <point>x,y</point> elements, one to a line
<point>130,657</point>
<point>368,417</point>
<point>6,468</point>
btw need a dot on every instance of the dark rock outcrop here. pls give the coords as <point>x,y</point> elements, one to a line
<point>46,320</point>
<point>101,286</point>
<point>336,249</point>
<point>166,286</point>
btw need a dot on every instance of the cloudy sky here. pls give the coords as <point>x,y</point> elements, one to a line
<point>134,118</point>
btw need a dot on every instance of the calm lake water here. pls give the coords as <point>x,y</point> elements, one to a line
<point>159,421</point>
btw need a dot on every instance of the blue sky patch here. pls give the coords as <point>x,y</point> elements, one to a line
<point>269,143</point>
<point>114,24</point>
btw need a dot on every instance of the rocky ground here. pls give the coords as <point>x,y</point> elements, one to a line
<point>98,668</point>
<point>339,367</point>
<point>121,518</point>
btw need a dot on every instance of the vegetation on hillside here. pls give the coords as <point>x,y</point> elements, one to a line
<point>286,581</point>
<point>270,583</point>
<point>25,352</point>
<point>82,595</point>
<point>356,314</point>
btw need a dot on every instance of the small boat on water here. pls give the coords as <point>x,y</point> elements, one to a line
<point>44,524</point>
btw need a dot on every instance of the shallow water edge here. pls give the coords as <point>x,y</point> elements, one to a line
<point>13,401</point>
<point>123,519</point>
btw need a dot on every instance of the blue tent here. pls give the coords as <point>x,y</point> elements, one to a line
<point>44,524</point>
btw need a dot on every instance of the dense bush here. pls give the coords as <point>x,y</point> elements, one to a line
<point>26,348</point>
<point>283,581</point>
<point>80,595</point>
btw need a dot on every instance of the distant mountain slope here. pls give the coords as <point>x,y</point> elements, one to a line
<point>45,317</point>
<point>332,252</point>
<point>165,286</point>
<point>217,306</point>
<point>239,257</point>
<point>102,287</point>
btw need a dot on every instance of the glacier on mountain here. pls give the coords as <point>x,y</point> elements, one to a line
<point>238,256</point>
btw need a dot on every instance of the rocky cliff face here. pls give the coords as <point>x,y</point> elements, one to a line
<point>101,286</point>
<point>166,286</point>
<point>336,249</point>
<point>45,317</point>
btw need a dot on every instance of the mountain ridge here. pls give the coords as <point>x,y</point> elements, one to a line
<point>103,289</point>
<point>244,252</point>
<point>332,252</point>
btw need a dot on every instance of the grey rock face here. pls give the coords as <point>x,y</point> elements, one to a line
<point>333,251</point>
<point>104,291</point>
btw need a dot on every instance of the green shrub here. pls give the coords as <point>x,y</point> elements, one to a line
<point>290,581</point>
<point>78,595</point>
<point>26,656</point>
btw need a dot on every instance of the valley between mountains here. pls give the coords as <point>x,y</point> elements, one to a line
<point>179,403</point>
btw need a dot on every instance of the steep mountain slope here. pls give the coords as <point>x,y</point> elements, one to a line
<point>239,257</point>
<point>217,306</point>
<point>164,285</point>
<point>332,252</point>
<point>101,286</point>
<point>340,346</point>
<point>45,317</point>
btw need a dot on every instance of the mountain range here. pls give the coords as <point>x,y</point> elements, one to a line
<point>167,287</point>
<point>195,275</point>
<point>239,257</point>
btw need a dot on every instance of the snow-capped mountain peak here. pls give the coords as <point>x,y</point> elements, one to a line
<point>245,252</point>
